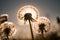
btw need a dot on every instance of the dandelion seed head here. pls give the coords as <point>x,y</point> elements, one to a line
<point>8,25</point>
<point>27,9</point>
<point>42,20</point>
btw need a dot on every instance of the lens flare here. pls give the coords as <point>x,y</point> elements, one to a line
<point>8,25</point>
<point>27,9</point>
<point>42,20</point>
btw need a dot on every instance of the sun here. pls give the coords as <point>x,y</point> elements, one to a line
<point>27,9</point>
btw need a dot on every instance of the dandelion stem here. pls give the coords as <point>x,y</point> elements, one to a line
<point>31,30</point>
<point>7,37</point>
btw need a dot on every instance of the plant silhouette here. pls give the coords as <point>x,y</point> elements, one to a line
<point>7,31</point>
<point>42,28</point>
<point>58,20</point>
<point>28,16</point>
<point>3,19</point>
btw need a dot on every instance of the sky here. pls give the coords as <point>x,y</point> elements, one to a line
<point>48,8</point>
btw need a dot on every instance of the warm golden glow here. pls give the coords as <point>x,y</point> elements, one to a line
<point>4,15</point>
<point>43,20</point>
<point>8,25</point>
<point>27,9</point>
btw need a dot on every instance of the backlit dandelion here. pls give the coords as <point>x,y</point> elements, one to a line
<point>8,29</point>
<point>29,13</point>
<point>3,18</point>
<point>42,26</point>
<point>27,9</point>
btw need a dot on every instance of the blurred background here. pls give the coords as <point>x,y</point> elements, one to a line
<point>47,8</point>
